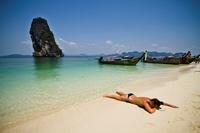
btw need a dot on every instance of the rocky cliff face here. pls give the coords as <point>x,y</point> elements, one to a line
<point>44,44</point>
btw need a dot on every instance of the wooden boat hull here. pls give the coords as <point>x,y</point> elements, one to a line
<point>121,62</point>
<point>187,60</point>
<point>174,61</point>
<point>170,60</point>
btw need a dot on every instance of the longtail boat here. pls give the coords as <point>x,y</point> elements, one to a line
<point>184,59</point>
<point>187,60</point>
<point>197,59</point>
<point>120,61</point>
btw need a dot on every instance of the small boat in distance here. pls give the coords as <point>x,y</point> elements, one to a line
<point>184,59</point>
<point>120,60</point>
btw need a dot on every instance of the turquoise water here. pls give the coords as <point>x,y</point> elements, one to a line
<point>30,87</point>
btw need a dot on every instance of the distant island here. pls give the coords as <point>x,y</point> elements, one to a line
<point>152,54</point>
<point>133,53</point>
<point>16,56</point>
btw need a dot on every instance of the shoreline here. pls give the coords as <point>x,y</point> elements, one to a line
<point>76,117</point>
<point>109,84</point>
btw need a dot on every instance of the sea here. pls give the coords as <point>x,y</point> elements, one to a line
<point>31,87</point>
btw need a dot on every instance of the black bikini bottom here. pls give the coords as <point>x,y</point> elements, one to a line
<point>129,94</point>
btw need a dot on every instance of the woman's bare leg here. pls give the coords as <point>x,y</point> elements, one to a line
<point>121,93</point>
<point>116,97</point>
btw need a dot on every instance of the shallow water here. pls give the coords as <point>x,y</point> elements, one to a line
<point>30,86</point>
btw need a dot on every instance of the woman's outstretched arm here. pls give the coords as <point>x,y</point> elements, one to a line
<point>170,105</point>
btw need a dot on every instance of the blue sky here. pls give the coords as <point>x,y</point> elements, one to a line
<point>103,26</point>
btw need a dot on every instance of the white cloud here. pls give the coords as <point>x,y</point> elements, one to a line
<point>119,48</point>
<point>159,47</point>
<point>154,45</point>
<point>109,42</point>
<point>164,48</point>
<point>108,47</point>
<point>116,47</point>
<point>72,43</point>
<point>65,43</point>
<point>57,42</point>
<point>26,42</point>
<point>62,40</point>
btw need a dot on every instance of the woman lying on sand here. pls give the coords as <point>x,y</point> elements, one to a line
<point>150,105</point>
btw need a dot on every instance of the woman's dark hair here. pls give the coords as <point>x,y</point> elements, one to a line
<point>156,103</point>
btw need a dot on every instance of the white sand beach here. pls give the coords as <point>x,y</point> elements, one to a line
<point>181,87</point>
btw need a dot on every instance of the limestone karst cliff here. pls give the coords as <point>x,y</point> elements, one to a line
<point>44,44</point>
